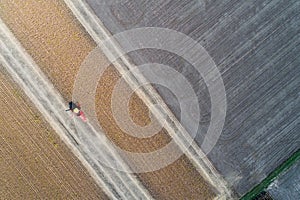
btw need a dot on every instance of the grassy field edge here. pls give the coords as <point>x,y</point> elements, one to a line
<point>271,177</point>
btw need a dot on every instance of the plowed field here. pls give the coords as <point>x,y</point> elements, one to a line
<point>34,163</point>
<point>58,43</point>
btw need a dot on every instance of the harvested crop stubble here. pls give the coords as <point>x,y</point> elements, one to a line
<point>34,162</point>
<point>58,44</point>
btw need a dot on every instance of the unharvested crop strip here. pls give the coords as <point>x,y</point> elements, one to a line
<point>99,33</point>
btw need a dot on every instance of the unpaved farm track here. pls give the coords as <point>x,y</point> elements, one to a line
<point>34,162</point>
<point>58,44</point>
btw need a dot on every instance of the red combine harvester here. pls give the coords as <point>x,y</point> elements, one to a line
<point>76,109</point>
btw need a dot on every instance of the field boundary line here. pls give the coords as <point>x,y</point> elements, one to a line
<point>272,176</point>
<point>99,33</point>
<point>50,103</point>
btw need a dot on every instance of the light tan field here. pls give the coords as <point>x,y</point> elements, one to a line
<point>34,163</point>
<point>58,44</point>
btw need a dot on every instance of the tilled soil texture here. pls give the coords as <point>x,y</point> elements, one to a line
<point>59,44</point>
<point>34,162</point>
<point>255,46</point>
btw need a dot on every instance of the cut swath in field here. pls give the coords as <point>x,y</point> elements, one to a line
<point>34,162</point>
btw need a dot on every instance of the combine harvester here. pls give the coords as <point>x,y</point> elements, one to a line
<point>76,109</point>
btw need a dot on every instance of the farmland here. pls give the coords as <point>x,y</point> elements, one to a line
<point>58,44</point>
<point>255,46</point>
<point>180,184</point>
<point>34,162</point>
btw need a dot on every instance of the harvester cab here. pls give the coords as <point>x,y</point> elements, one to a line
<point>76,109</point>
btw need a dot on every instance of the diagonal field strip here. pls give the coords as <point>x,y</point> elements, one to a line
<point>83,140</point>
<point>99,33</point>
